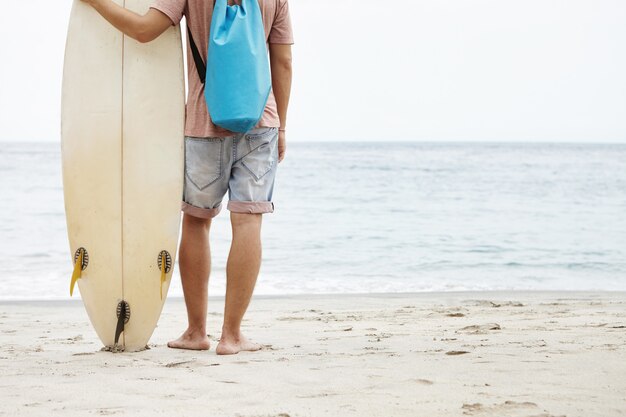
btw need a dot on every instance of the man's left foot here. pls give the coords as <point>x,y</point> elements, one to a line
<point>229,345</point>
<point>191,340</point>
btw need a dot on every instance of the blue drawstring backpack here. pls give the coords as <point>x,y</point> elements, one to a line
<point>236,78</point>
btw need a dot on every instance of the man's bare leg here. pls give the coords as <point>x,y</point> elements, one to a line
<point>195,265</point>
<point>242,269</point>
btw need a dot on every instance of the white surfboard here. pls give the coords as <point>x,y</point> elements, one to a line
<point>122,149</point>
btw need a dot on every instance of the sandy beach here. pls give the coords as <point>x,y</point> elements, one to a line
<point>539,354</point>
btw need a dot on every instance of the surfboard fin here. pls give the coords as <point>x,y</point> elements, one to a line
<point>165,264</point>
<point>80,263</point>
<point>123,315</point>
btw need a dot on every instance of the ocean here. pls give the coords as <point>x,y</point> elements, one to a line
<point>375,217</point>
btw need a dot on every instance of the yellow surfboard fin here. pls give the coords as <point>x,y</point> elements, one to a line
<point>163,268</point>
<point>78,269</point>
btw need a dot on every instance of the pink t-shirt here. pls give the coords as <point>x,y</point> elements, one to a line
<point>198,14</point>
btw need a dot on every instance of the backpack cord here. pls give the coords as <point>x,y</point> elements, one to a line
<point>197,58</point>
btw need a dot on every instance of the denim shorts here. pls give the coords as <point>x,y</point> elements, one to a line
<point>244,165</point>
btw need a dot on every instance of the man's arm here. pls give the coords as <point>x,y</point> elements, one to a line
<point>141,28</point>
<point>280,61</point>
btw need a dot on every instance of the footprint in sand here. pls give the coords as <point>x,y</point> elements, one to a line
<point>456,352</point>
<point>480,328</point>
<point>507,408</point>
<point>177,364</point>
<point>423,381</point>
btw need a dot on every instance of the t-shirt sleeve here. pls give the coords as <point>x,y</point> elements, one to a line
<point>173,9</point>
<point>282,31</point>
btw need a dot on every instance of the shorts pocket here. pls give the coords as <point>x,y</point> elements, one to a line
<point>204,160</point>
<point>263,152</point>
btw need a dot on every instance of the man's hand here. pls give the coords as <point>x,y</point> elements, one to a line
<point>282,145</point>
<point>141,28</point>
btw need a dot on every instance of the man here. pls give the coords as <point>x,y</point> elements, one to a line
<point>217,161</point>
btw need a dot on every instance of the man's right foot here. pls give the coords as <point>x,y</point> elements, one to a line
<point>192,341</point>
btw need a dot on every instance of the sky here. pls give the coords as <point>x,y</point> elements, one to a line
<point>415,70</point>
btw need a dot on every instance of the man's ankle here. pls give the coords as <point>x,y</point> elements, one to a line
<point>195,331</point>
<point>231,334</point>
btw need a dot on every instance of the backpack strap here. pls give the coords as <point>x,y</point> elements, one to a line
<point>200,66</point>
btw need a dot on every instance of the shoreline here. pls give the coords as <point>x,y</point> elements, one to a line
<point>466,353</point>
<point>416,294</point>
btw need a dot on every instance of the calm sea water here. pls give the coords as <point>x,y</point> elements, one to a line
<point>365,217</point>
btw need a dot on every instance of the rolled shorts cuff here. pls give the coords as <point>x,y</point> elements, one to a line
<point>201,213</point>
<point>251,207</point>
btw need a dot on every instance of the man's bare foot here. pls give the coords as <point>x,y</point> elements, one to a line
<point>191,340</point>
<point>230,345</point>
